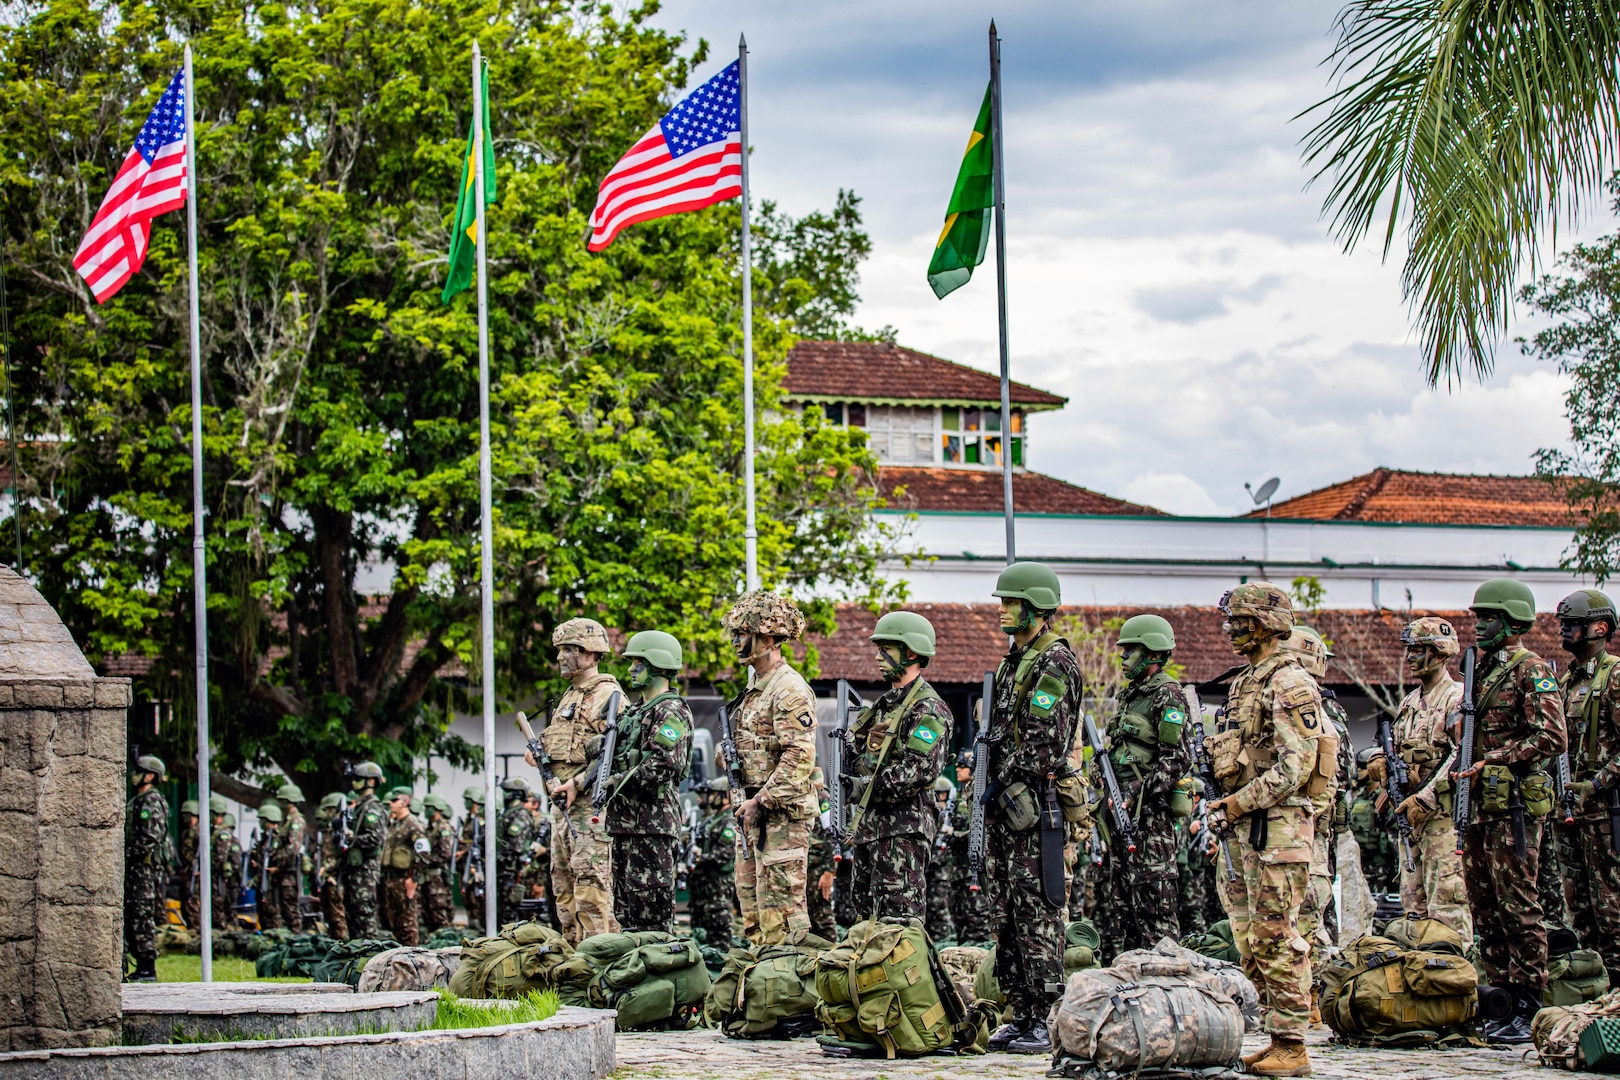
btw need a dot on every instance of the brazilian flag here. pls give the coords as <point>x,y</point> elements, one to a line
<point>967,219</point>
<point>464,233</point>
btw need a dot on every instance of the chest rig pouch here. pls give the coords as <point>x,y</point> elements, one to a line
<point>1010,701</point>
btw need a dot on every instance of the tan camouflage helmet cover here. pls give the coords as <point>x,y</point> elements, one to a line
<point>1262,601</point>
<point>762,612</point>
<point>588,634</point>
<point>1305,643</point>
<point>1434,632</point>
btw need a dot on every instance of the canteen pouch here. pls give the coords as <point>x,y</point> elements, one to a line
<point>1444,794</point>
<point>1181,804</point>
<point>1224,748</point>
<point>1537,790</point>
<point>1495,789</point>
<point>1018,807</point>
<point>1327,763</point>
<point>399,858</point>
<point>1071,797</point>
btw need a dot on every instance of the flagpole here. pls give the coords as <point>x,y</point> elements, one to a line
<point>750,533</point>
<point>486,530</point>
<point>1001,291</point>
<point>199,561</point>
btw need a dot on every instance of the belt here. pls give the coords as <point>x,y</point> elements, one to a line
<point>395,873</point>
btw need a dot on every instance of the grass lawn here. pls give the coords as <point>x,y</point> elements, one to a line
<point>184,967</point>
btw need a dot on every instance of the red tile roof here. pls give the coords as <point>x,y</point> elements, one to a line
<point>1431,499</point>
<point>971,642</point>
<point>874,370</point>
<point>939,488</point>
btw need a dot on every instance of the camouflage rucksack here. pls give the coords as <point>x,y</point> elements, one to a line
<point>1414,988</point>
<point>345,960</point>
<point>1556,1031</point>
<point>522,957</point>
<point>409,968</point>
<point>1574,974</point>
<point>1159,1013</point>
<point>883,992</point>
<point>767,992</point>
<point>298,957</point>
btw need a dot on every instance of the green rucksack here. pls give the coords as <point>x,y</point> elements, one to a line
<point>1574,974</point>
<point>767,992</point>
<point>345,960</point>
<point>1080,944</point>
<point>883,992</point>
<point>658,982</point>
<point>522,957</point>
<point>297,957</point>
<point>1413,988</point>
<point>1215,942</point>
<point>446,936</point>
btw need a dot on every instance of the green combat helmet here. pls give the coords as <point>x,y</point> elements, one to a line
<point>515,787</point>
<point>943,785</point>
<point>1034,583</point>
<point>437,802</point>
<point>1145,640</point>
<point>660,650</point>
<point>230,821</point>
<point>147,763</point>
<point>190,807</point>
<point>290,792</point>
<point>270,812</point>
<point>332,800</point>
<point>399,791</point>
<point>1587,605</point>
<point>474,794</point>
<point>366,770</point>
<point>906,628</point>
<point>217,804</point>
<point>1513,604</point>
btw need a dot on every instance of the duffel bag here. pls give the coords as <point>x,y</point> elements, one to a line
<point>658,984</point>
<point>1127,1022</point>
<point>1227,978</point>
<point>345,960</point>
<point>768,993</point>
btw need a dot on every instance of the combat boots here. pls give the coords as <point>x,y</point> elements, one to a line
<point>1286,1057</point>
<point>1250,1059</point>
<point>145,971</point>
<point>1514,1029</point>
<point>1034,1039</point>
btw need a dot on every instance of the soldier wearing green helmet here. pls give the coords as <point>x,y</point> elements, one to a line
<point>329,869</point>
<point>1591,691</point>
<point>896,748</point>
<point>1036,708</point>
<point>190,865</point>
<point>1518,725</point>
<point>652,754</point>
<point>1150,745</point>
<point>709,882</point>
<point>146,833</point>
<point>362,850</point>
<point>469,861</point>
<point>289,860</point>
<point>514,840</point>
<point>436,897</point>
<point>225,860</point>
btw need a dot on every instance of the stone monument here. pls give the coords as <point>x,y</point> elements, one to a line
<point>62,793</point>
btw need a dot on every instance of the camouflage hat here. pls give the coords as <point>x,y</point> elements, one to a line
<point>1305,643</point>
<point>332,800</point>
<point>588,634</point>
<point>190,807</point>
<point>1262,601</point>
<point>270,812</point>
<point>436,802</point>
<point>290,792</point>
<point>217,804</point>
<point>1434,632</point>
<point>764,612</point>
<point>400,792</point>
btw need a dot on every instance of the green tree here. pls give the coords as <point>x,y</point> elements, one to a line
<point>340,395</point>
<point>1473,128</point>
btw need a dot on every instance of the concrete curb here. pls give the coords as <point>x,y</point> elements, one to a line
<point>156,1012</point>
<point>576,1044</point>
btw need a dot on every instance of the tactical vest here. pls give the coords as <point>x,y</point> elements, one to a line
<point>570,727</point>
<point>1486,694</point>
<point>1010,696</point>
<point>1586,727</point>
<point>1415,747</point>
<point>1134,735</point>
<point>1258,753</point>
<point>880,729</point>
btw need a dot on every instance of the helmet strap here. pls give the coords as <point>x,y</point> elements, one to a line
<point>894,670</point>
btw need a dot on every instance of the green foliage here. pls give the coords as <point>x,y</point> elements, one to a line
<point>1308,593</point>
<point>532,1006</point>
<point>1476,127</point>
<point>340,398</point>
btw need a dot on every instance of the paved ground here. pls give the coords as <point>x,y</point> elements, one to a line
<point>703,1055</point>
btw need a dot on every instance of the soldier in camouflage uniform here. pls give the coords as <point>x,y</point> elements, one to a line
<point>1273,758</point>
<point>362,865</point>
<point>146,826</point>
<point>536,876</point>
<point>970,909</point>
<point>1150,745</point>
<point>1591,687</point>
<point>288,858</point>
<point>190,886</point>
<point>1036,710</point>
<point>774,727</point>
<point>1194,880</point>
<point>261,875</point>
<point>651,757</point>
<point>938,920</point>
<point>468,843</point>
<point>1519,723</point>
<point>404,843</point>
<point>436,897</point>
<point>225,861</point>
<point>330,866</point>
<point>709,883</point>
<point>821,867</point>
<point>1374,825</point>
<point>895,749</point>
<point>514,836</point>
<point>581,850</point>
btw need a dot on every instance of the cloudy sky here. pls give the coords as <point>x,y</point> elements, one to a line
<point>1167,270</point>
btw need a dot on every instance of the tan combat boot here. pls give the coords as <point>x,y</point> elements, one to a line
<point>1287,1058</point>
<point>1250,1059</point>
<point>1316,1008</point>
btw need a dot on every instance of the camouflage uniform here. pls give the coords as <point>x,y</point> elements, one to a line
<point>1314,908</point>
<point>1434,889</point>
<point>146,827</point>
<point>264,841</point>
<point>1137,891</point>
<point>643,809</point>
<point>898,748</point>
<point>472,892</point>
<point>226,860</point>
<point>402,847</point>
<point>1037,708</point>
<point>190,887</point>
<point>1194,879</point>
<point>332,910</point>
<point>822,860</point>
<point>514,836</point>
<point>1274,714</point>
<point>970,909</point>
<point>709,883</point>
<point>581,853</point>
<point>536,876</point>
<point>362,865</point>
<point>437,896</point>
<point>1519,723</point>
<point>287,867</point>
<point>940,872</point>
<point>1592,879</point>
<point>1375,836</point>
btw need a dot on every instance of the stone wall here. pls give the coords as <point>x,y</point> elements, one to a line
<point>62,791</point>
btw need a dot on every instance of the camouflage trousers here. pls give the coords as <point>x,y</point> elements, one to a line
<point>1263,904</point>
<point>770,878</point>
<point>886,875</point>
<point>1433,888</point>
<point>1550,880</point>
<point>284,898</point>
<point>264,897</point>
<point>1592,884</point>
<point>360,900</point>
<point>142,896</point>
<point>1318,897</point>
<point>1136,893</point>
<point>472,898</point>
<point>225,890</point>
<point>820,908</point>
<point>1505,896</point>
<point>970,910</point>
<point>399,906</point>
<point>1194,886</point>
<point>644,882</point>
<point>337,921</point>
<point>1029,931</point>
<point>709,903</point>
<point>581,873</point>
<point>436,901</point>
<point>938,919</point>
<point>190,903</point>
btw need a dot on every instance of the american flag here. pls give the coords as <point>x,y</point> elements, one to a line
<point>152,181</point>
<point>692,158</point>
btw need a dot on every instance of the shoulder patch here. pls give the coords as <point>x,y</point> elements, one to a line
<point>728,834</point>
<point>1048,692</point>
<point>1546,684</point>
<point>807,720</point>
<point>1175,716</point>
<point>926,735</point>
<point>669,733</point>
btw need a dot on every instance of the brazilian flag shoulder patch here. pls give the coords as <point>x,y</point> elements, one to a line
<point>1546,684</point>
<point>925,735</point>
<point>728,834</point>
<point>668,733</point>
<point>1174,716</point>
<point>1048,692</point>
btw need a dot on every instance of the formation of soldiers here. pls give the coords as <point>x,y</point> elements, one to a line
<point>1156,825</point>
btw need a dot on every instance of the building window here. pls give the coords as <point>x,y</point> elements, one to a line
<point>834,412</point>
<point>973,436</point>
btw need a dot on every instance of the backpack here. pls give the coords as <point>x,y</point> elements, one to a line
<point>1158,1013</point>
<point>1414,988</point>
<point>883,992</point>
<point>962,963</point>
<point>1215,942</point>
<point>522,957</point>
<point>1557,1031</point>
<point>653,979</point>
<point>345,960</point>
<point>298,957</point>
<point>1080,944</point>
<point>768,993</point>
<point>1574,974</point>
<point>446,936</point>
<point>1226,977</point>
<point>409,968</point>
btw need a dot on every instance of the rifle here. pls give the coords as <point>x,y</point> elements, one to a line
<point>981,786</point>
<point>473,872</point>
<point>1461,810</point>
<point>1121,815</point>
<point>947,815</point>
<point>604,758</point>
<point>1204,766</point>
<point>1566,797</point>
<point>1396,779</point>
<point>734,773</point>
<point>844,820</point>
<point>543,762</point>
<point>689,857</point>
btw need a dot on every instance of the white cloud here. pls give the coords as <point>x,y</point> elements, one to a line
<point>1173,492</point>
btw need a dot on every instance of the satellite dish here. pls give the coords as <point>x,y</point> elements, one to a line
<point>1267,490</point>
